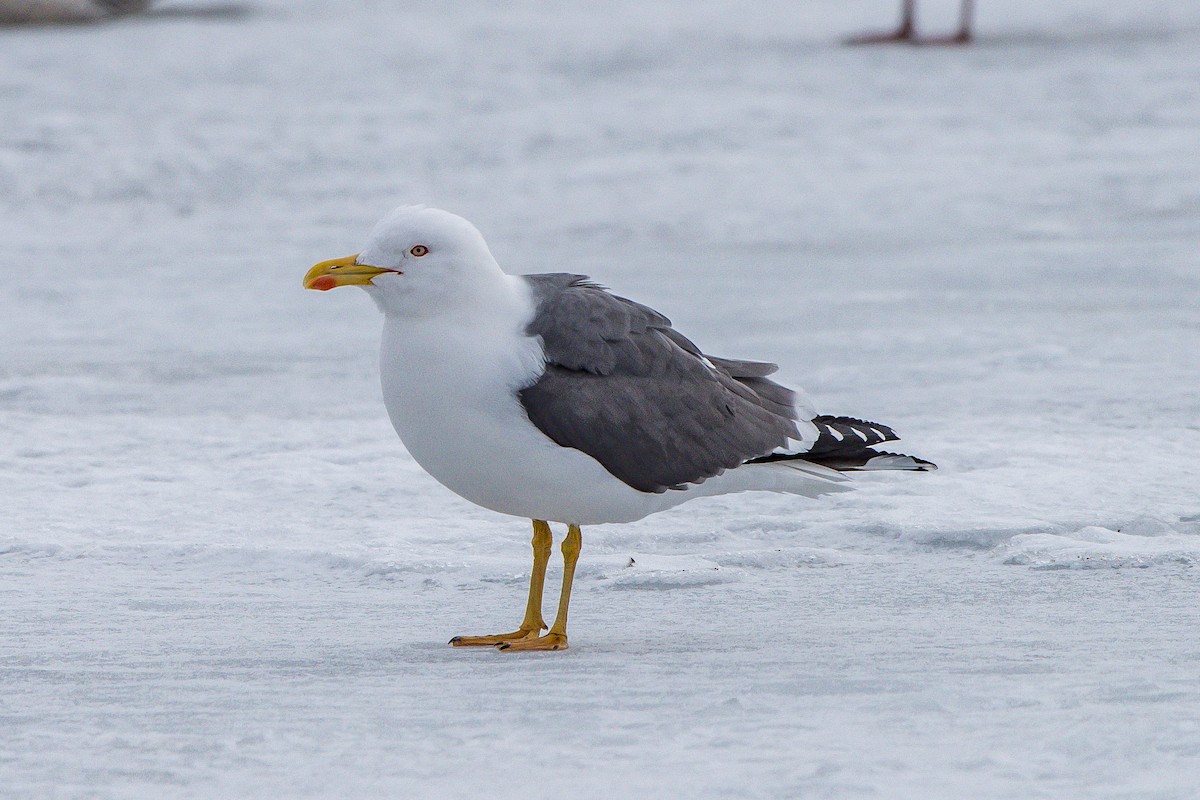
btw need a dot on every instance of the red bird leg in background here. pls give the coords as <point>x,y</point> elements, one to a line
<point>907,30</point>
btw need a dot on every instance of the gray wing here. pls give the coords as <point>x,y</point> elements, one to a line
<point>623,386</point>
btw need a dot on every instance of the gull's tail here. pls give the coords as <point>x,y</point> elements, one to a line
<point>842,445</point>
<point>845,444</point>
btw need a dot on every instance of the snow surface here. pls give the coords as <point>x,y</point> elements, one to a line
<point>221,576</point>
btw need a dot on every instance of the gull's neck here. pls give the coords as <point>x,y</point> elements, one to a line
<point>481,336</point>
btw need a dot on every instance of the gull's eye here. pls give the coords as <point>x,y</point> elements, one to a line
<point>418,250</point>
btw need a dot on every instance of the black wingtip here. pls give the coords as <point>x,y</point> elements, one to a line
<point>846,444</point>
<point>839,433</point>
<point>901,461</point>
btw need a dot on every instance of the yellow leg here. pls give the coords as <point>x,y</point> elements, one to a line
<point>556,638</point>
<point>533,624</point>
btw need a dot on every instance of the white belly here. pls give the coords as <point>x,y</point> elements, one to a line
<point>452,398</point>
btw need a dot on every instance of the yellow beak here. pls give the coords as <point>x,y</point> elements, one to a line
<point>345,271</point>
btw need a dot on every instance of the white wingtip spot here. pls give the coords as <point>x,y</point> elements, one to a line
<point>834,432</point>
<point>859,434</point>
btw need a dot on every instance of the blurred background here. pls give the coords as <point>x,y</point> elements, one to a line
<point>184,164</point>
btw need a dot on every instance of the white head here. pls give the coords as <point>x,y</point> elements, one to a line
<point>417,261</point>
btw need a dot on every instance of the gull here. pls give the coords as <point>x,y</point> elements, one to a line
<point>548,397</point>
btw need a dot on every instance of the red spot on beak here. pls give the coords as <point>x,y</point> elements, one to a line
<point>324,283</point>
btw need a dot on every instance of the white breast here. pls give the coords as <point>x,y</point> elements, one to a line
<point>450,387</point>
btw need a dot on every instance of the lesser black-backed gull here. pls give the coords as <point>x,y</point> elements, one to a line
<point>549,398</point>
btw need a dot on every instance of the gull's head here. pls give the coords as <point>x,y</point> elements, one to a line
<point>417,261</point>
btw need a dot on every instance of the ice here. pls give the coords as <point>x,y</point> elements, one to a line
<point>222,576</point>
<point>1095,547</point>
<point>660,572</point>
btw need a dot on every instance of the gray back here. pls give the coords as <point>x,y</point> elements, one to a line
<point>636,395</point>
